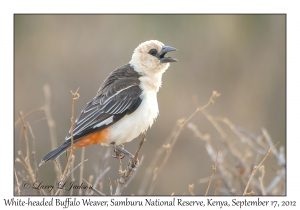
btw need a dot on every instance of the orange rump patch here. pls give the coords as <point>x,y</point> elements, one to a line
<point>94,138</point>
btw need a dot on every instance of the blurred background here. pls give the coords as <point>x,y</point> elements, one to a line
<point>243,57</point>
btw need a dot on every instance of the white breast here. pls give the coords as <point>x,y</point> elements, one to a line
<point>130,126</point>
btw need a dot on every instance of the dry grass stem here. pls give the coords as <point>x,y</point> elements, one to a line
<point>75,96</point>
<point>191,189</point>
<point>249,138</point>
<point>18,184</point>
<point>170,144</point>
<point>33,150</point>
<point>20,143</point>
<point>69,173</point>
<point>103,167</point>
<point>256,168</point>
<point>93,189</point>
<point>206,179</point>
<point>59,168</point>
<point>28,113</point>
<point>217,187</point>
<point>50,121</point>
<point>214,169</point>
<point>250,193</point>
<point>72,175</point>
<point>233,150</point>
<point>210,150</point>
<point>239,151</point>
<point>110,187</point>
<point>261,179</point>
<point>225,175</point>
<point>26,160</point>
<point>279,156</point>
<point>81,168</point>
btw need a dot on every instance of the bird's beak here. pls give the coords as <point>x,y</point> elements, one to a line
<point>163,52</point>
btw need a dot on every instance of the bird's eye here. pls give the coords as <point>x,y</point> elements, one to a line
<point>153,52</point>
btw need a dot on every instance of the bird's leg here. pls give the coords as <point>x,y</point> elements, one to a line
<point>121,152</point>
<point>119,155</point>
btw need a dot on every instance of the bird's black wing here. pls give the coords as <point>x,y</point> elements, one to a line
<point>119,95</point>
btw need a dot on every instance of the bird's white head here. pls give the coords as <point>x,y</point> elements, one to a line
<point>149,58</point>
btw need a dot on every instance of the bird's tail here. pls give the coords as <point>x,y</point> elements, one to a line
<point>56,153</point>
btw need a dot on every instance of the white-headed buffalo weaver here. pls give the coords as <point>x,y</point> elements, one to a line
<point>126,103</point>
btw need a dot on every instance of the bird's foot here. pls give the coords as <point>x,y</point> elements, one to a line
<point>121,152</point>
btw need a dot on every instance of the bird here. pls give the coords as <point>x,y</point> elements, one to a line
<point>126,103</point>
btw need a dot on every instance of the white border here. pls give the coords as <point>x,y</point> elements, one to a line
<point>8,8</point>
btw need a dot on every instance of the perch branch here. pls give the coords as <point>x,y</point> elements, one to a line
<point>131,167</point>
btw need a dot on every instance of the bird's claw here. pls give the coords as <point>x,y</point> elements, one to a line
<point>121,152</point>
<point>119,155</point>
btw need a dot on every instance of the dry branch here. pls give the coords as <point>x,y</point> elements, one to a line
<point>217,187</point>
<point>33,150</point>
<point>75,96</point>
<point>81,168</point>
<point>261,179</point>
<point>233,150</point>
<point>26,160</point>
<point>256,168</point>
<point>169,145</point>
<point>131,167</point>
<point>28,113</point>
<point>18,184</point>
<point>214,169</point>
<point>191,189</point>
<point>92,188</point>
